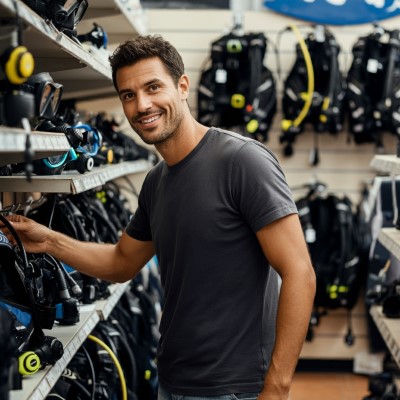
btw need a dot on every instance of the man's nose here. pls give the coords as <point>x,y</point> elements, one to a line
<point>143,102</point>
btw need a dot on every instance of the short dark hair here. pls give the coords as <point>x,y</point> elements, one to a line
<point>148,46</point>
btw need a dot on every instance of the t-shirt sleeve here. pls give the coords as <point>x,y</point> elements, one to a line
<point>139,225</point>
<point>259,186</point>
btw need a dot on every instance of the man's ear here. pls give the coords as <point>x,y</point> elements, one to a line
<point>183,87</point>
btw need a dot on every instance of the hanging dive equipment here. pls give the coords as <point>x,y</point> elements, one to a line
<point>374,86</point>
<point>237,90</point>
<point>331,232</point>
<point>314,86</point>
<point>292,127</point>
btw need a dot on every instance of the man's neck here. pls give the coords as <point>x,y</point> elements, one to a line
<point>186,139</point>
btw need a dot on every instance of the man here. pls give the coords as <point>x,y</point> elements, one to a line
<point>218,213</point>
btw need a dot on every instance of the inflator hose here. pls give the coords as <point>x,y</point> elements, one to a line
<point>116,362</point>
<point>286,124</point>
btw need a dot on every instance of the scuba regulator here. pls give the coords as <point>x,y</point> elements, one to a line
<point>21,291</point>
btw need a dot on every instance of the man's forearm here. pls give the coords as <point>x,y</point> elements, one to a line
<point>94,259</point>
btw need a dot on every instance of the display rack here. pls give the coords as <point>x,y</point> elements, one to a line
<point>386,163</point>
<point>83,74</point>
<point>54,51</point>
<point>390,239</point>
<point>104,307</point>
<point>38,386</point>
<point>43,144</point>
<point>71,181</point>
<point>58,54</point>
<point>117,18</point>
<point>390,331</point>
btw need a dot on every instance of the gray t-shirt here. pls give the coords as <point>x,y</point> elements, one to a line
<point>218,322</point>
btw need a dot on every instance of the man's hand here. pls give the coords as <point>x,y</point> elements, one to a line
<point>274,389</point>
<point>34,236</point>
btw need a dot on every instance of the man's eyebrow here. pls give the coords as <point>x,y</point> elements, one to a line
<point>122,91</point>
<point>148,83</point>
<point>152,82</point>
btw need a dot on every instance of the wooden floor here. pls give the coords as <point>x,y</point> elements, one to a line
<point>328,386</point>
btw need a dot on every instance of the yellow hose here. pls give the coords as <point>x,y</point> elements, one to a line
<point>310,74</point>
<point>116,362</point>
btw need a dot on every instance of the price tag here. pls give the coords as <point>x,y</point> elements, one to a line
<point>372,66</point>
<point>221,76</point>
<point>310,235</point>
<point>44,388</point>
<point>36,395</point>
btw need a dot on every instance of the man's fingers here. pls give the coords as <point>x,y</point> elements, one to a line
<point>15,218</point>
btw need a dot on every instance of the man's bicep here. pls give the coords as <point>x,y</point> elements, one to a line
<point>283,244</point>
<point>134,253</point>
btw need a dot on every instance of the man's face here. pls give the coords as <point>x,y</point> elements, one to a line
<point>152,102</point>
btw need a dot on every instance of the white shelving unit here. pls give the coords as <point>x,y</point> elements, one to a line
<point>83,74</point>
<point>104,307</point>
<point>72,181</point>
<point>44,144</point>
<point>386,163</point>
<point>118,18</point>
<point>56,53</point>
<point>390,331</point>
<point>38,386</point>
<point>390,238</point>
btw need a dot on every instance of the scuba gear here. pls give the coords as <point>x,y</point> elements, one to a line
<point>17,62</point>
<point>8,362</point>
<point>65,14</point>
<point>83,138</point>
<point>18,65</point>
<point>237,89</point>
<point>21,290</point>
<point>15,105</point>
<point>56,287</point>
<point>38,98</point>
<point>97,36</point>
<point>116,145</point>
<point>330,230</point>
<point>373,82</point>
<point>292,128</point>
<point>316,87</point>
<point>47,94</point>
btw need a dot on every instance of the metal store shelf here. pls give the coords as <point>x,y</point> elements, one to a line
<point>386,163</point>
<point>390,238</point>
<point>38,386</point>
<point>72,181</point>
<point>44,144</point>
<point>55,51</point>
<point>390,331</point>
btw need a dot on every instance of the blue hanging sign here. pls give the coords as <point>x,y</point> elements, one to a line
<point>336,12</point>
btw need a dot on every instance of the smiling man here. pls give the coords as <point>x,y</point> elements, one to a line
<point>220,217</point>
